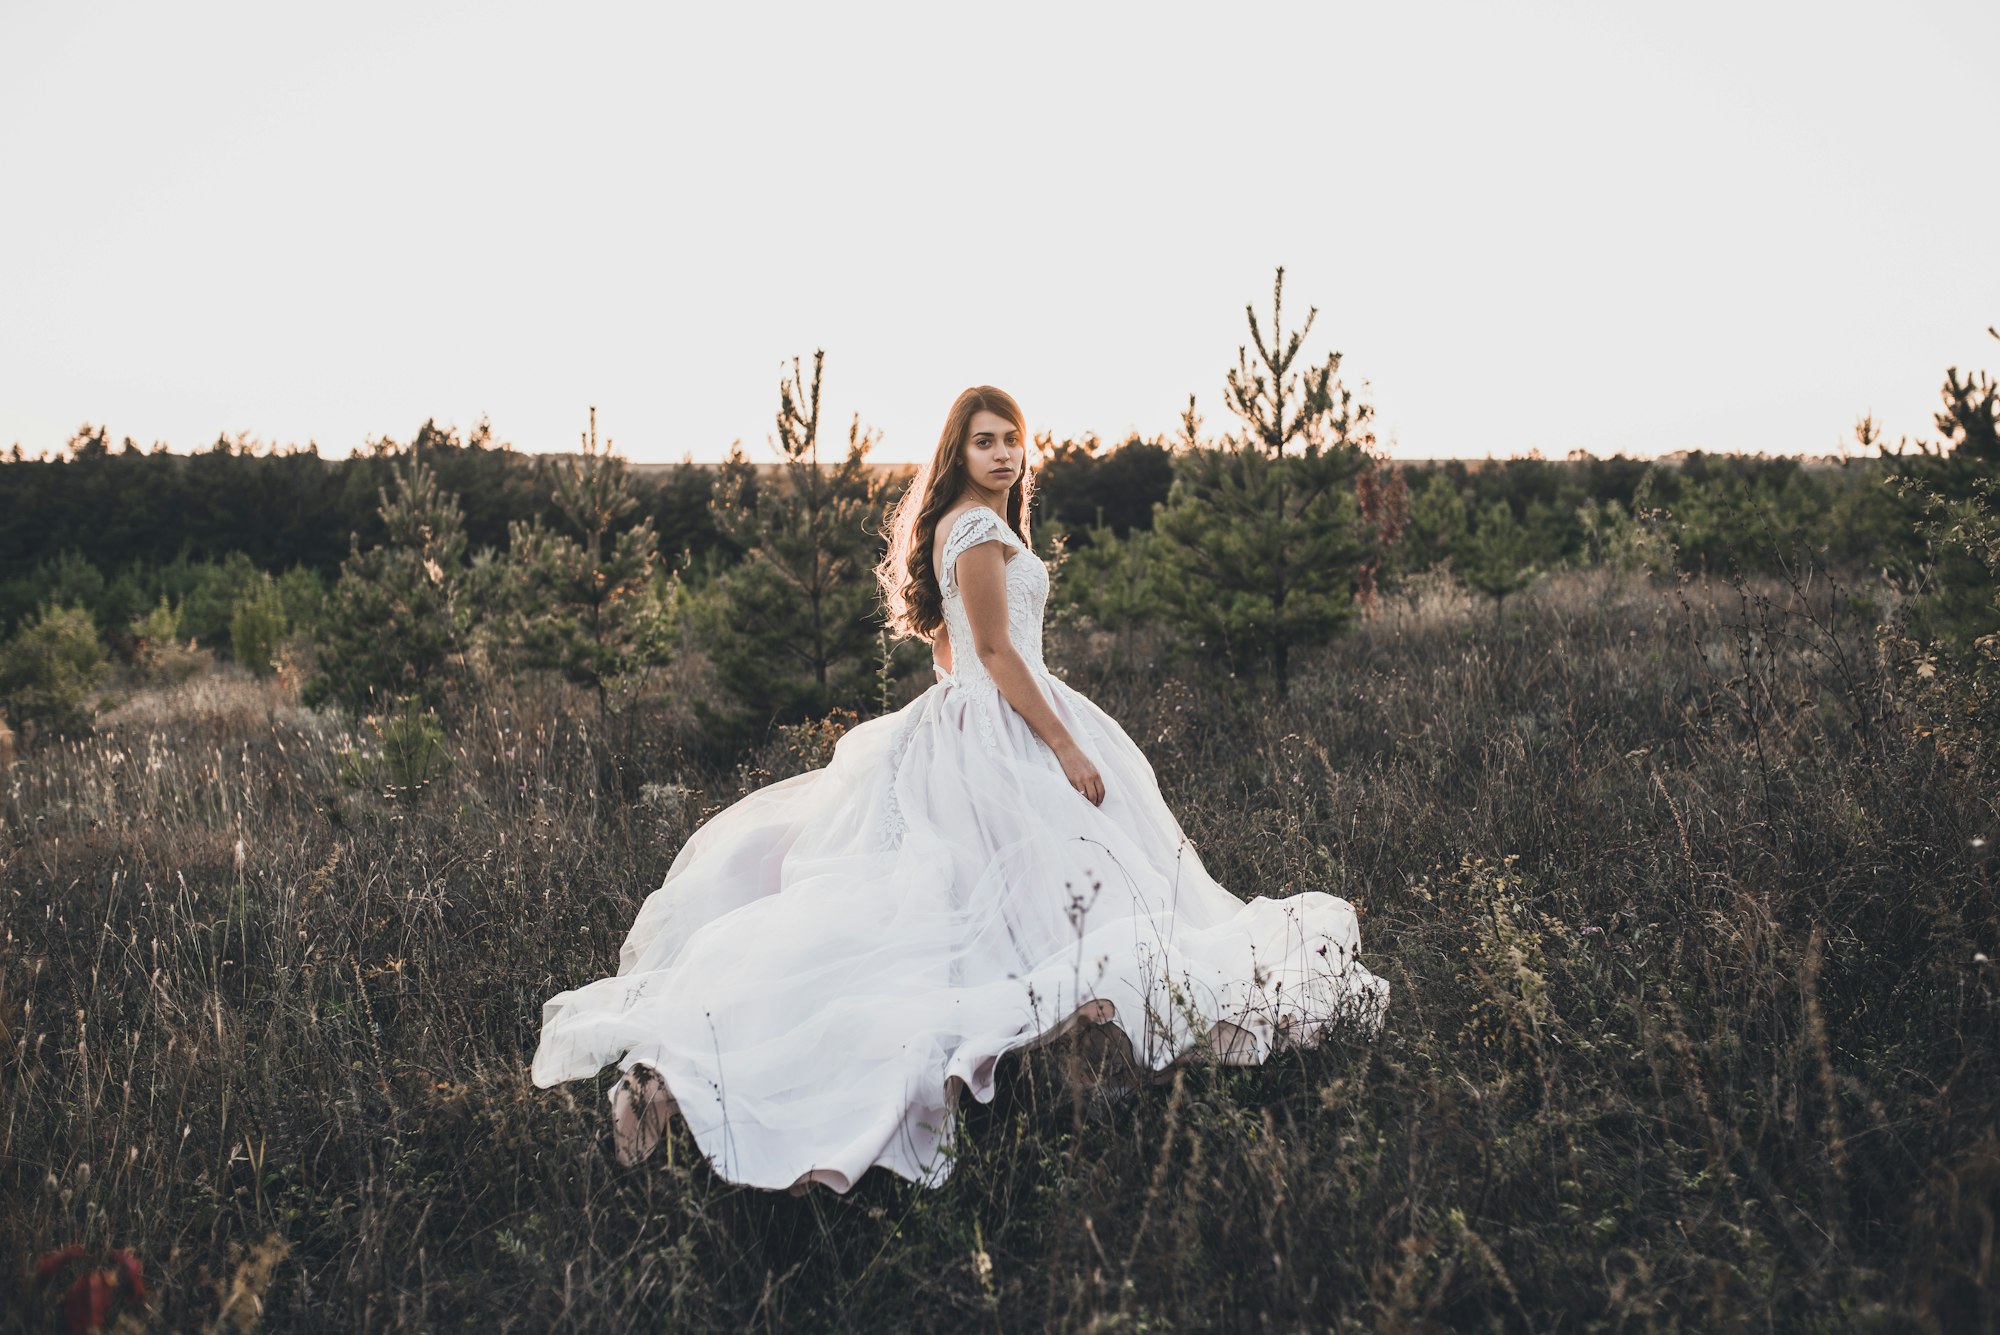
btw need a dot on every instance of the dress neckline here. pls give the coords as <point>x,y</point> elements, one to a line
<point>1005,531</point>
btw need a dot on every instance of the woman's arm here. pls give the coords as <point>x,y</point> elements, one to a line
<point>982,584</point>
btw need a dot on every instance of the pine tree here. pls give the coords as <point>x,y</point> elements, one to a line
<point>1970,421</point>
<point>793,628</point>
<point>1497,557</point>
<point>1438,522</point>
<point>50,670</point>
<point>1261,539</point>
<point>257,627</point>
<point>1951,494</point>
<point>577,602</point>
<point>398,624</point>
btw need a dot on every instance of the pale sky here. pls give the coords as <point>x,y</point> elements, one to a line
<point>1614,227</point>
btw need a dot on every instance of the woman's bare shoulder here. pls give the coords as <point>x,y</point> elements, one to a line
<point>949,519</point>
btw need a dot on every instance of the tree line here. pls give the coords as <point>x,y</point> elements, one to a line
<point>402,573</point>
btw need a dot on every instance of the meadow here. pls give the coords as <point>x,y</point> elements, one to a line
<point>1685,897</point>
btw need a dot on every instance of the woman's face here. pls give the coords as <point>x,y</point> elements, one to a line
<point>996,454</point>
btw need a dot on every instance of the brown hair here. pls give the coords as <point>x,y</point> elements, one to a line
<point>907,575</point>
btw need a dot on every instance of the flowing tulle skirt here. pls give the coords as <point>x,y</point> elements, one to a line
<point>833,958</point>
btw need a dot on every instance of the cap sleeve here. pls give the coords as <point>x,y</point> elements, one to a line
<point>975,526</point>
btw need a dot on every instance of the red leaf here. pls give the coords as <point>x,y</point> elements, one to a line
<point>88,1302</point>
<point>130,1274</point>
<point>45,1269</point>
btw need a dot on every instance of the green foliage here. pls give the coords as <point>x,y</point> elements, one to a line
<point>1499,555</point>
<point>257,627</point>
<point>1260,549</point>
<point>1627,539</point>
<point>213,592</point>
<point>1970,418</point>
<point>1083,489</point>
<point>1110,578</point>
<point>281,508</point>
<point>50,669</point>
<point>159,626</point>
<point>302,595</point>
<point>1438,525</point>
<point>67,579</point>
<point>578,605</point>
<point>158,653</point>
<point>1256,554</point>
<point>397,623</point>
<point>1726,518</point>
<point>1110,583</point>
<point>200,598</point>
<point>409,755</point>
<point>792,629</point>
<point>1948,639</point>
<point>1950,495</point>
<point>1956,606</point>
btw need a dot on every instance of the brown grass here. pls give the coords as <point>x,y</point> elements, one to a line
<point>1679,908</point>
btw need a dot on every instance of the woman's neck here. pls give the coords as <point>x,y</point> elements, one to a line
<point>994,499</point>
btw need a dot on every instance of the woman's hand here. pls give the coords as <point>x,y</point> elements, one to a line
<point>1082,775</point>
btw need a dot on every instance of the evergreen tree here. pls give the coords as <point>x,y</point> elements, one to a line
<point>1970,421</point>
<point>577,604</point>
<point>1083,488</point>
<point>1438,522</point>
<point>1950,494</point>
<point>257,627</point>
<point>50,670</point>
<point>1261,538</point>
<point>1497,557</point>
<point>793,627</point>
<point>157,650</point>
<point>1633,538</point>
<point>398,623</point>
<point>1111,581</point>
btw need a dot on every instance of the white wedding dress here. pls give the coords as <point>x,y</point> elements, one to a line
<point>832,959</point>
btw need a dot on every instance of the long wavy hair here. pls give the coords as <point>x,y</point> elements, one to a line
<point>907,573</point>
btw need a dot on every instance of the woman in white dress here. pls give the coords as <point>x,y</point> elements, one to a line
<point>834,959</point>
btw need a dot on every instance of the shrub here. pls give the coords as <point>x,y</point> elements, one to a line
<point>257,627</point>
<point>1629,540</point>
<point>157,652</point>
<point>1944,640</point>
<point>67,579</point>
<point>408,757</point>
<point>211,599</point>
<point>303,595</point>
<point>50,669</point>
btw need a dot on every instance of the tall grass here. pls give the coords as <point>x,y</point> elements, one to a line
<point>1685,920</point>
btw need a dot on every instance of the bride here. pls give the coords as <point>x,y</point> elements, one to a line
<point>834,959</point>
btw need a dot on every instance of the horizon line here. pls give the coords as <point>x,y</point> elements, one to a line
<point>244,445</point>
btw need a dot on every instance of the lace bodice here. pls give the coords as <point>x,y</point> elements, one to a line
<point>1027,585</point>
<point>1027,593</point>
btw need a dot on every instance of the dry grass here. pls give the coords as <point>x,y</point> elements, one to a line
<point>1680,911</point>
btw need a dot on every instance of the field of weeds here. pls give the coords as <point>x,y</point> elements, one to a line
<point>1685,911</point>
